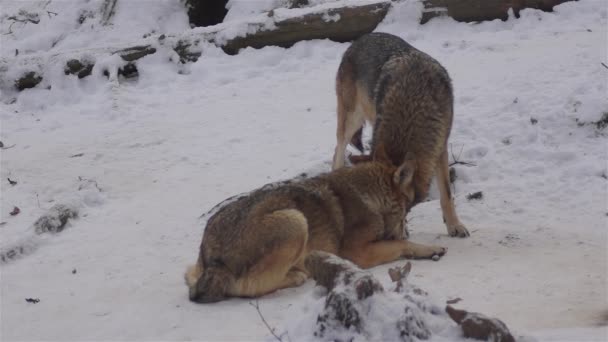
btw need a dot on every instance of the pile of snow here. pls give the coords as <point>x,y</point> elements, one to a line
<point>65,25</point>
<point>243,9</point>
<point>172,143</point>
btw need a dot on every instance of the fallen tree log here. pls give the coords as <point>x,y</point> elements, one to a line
<point>480,10</point>
<point>340,24</point>
<point>280,28</point>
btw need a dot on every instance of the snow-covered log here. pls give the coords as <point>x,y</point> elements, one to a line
<point>283,28</point>
<point>480,10</point>
<point>340,24</point>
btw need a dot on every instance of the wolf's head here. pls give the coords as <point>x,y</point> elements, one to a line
<point>402,176</point>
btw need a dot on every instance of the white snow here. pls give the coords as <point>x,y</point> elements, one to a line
<point>168,146</point>
<point>60,27</point>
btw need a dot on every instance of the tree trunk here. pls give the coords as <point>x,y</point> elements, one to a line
<point>479,10</point>
<point>338,24</point>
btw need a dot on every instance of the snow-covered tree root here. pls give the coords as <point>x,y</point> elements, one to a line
<point>53,221</point>
<point>357,307</point>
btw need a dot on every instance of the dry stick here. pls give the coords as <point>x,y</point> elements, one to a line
<point>257,308</point>
<point>605,66</point>
<point>26,20</point>
<point>82,179</point>
<point>399,274</point>
<point>10,29</point>
<point>456,161</point>
<point>17,20</point>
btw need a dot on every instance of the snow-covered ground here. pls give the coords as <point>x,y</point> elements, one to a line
<point>159,151</point>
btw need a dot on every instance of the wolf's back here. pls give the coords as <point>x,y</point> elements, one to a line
<point>368,54</point>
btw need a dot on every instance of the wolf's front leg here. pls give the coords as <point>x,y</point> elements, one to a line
<point>385,251</point>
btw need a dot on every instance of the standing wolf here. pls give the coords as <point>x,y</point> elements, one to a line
<point>407,95</point>
<point>259,242</point>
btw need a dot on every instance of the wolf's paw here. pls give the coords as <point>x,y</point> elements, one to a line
<point>438,252</point>
<point>425,252</point>
<point>434,253</point>
<point>458,230</point>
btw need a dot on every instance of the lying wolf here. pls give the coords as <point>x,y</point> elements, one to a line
<point>258,243</point>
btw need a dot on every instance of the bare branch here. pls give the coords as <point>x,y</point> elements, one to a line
<point>90,181</point>
<point>10,29</point>
<point>257,308</point>
<point>26,20</point>
<point>456,159</point>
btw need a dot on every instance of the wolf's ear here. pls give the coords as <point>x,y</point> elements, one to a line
<point>380,154</point>
<point>405,172</point>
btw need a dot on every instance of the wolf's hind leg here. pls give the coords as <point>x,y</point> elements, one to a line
<point>455,228</point>
<point>350,113</point>
<point>287,234</point>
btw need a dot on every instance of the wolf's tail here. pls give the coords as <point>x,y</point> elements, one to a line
<point>210,284</point>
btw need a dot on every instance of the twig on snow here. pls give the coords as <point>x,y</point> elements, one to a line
<point>10,29</point>
<point>456,159</point>
<point>257,308</point>
<point>26,20</point>
<point>453,301</point>
<point>94,182</point>
<point>399,274</point>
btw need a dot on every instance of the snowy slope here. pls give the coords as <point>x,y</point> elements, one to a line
<point>168,146</point>
<point>66,25</point>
